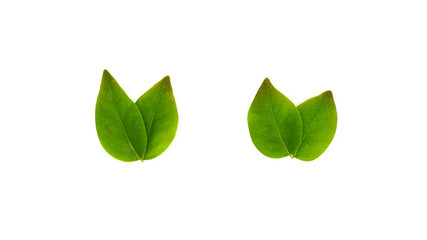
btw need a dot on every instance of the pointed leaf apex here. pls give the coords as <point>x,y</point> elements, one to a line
<point>328,94</point>
<point>107,75</point>
<point>166,78</point>
<point>266,82</point>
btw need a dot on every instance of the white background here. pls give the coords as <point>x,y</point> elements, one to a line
<point>57,182</point>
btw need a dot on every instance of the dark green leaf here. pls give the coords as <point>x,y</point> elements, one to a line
<point>158,109</point>
<point>319,117</point>
<point>274,123</point>
<point>119,123</point>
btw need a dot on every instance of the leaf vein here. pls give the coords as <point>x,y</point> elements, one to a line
<point>314,119</point>
<point>121,120</point>
<point>275,119</point>
<point>154,115</point>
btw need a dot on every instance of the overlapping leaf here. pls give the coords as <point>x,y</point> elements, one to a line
<point>119,123</point>
<point>279,129</point>
<point>132,131</point>
<point>319,117</point>
<point>158,109</point>
<point>274,123</point>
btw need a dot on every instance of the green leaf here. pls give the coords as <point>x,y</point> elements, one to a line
<point>274,122</point>
<point>158,109</point>
<point>319,117</point>
<point>119,123</point>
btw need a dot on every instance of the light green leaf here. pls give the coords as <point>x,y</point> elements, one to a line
<point>319,116</point>
<point>274,122</point>
<point>119,123</point>
<point>158,109</point>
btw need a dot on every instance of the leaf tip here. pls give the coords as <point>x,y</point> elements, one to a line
<point>165,81</point>
<point>266,83</point>
<point>166,78</point>
<point>106,72</point>
<point>328,93</point>
<point>107,75</point>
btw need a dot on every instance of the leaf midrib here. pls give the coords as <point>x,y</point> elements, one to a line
<point>314,119</point>
<point>121,120</point>
<point>275,119</point>
<point>154,115</point>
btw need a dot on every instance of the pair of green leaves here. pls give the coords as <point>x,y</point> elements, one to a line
<point>132,131</point>
<point>279,129</point>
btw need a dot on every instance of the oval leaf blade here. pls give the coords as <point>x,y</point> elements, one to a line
<point>274,123</point>
<point>119,123</point>
<point>319,116</point>
<point>158,109</point>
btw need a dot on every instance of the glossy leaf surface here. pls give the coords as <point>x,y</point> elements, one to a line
<point>319,116</point>
<point>158,109</point>
<point>119,123</point>
<point>274,122</point>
